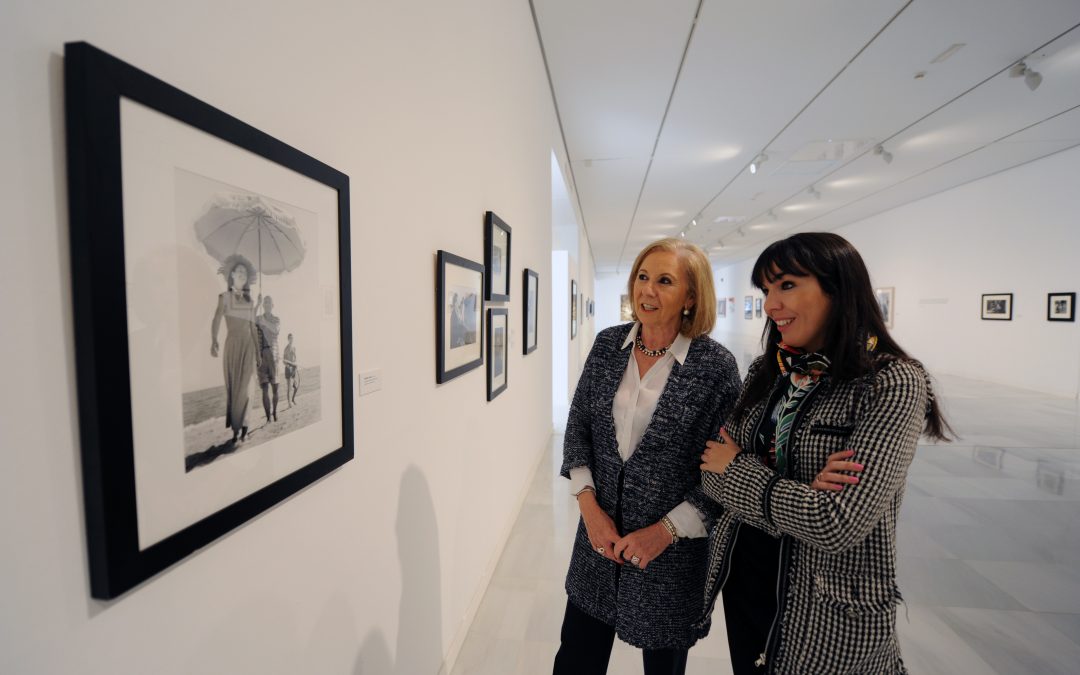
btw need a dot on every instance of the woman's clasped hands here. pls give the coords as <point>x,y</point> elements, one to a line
<point>834,476</point>
<point>638,548</point>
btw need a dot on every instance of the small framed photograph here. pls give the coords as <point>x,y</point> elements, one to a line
<point>626,312</point>
<point>757,307</point>
<point>498,351</point>
<point>573,309</point>
<point>496,257</point>
<point>997,306</point>
<point>748,307</point>
<point>721,308</point>
<point>1061,307</point>
<point>886,296</point>
<point>531,309</point>
<point>459,290</point>
<point>212,300</point>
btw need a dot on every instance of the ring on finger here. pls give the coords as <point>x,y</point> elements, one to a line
<point>635,560</point>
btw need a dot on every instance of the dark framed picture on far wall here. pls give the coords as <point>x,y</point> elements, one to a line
<point>459,307</point>
<point>997,306</point>
<point>757,307</point>
<point>498,351</point>
<point>1061,307</point>
<point>748,307</point>
<point>212,300</point>
<point>496,257</point>
<point>531,310</point>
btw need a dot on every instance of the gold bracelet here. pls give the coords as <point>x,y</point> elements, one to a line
<point>587,488</point>
<point>670,527</point>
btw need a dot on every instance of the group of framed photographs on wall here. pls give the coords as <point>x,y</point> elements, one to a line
<point>186,221</point>
<point>462,287</point>
<point>999,306</point>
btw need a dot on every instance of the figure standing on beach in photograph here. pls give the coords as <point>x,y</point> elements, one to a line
<point>241,341</point>
<point>292,372</point>
<point>269,326</point>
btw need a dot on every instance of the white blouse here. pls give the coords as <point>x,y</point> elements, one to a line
<point>633,407</point>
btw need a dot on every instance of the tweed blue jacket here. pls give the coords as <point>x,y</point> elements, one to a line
<point>655,608</point>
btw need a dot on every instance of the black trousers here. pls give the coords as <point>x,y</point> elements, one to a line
<point>586,648</point>
<point>750,597</point>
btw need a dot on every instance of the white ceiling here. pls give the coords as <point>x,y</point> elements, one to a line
<point>664,104</point>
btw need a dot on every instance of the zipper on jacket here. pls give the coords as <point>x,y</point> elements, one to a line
<point>724,572</point>
<point>772,642</point>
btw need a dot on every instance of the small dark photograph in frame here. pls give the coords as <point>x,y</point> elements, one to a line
<point>531,310</point>
<point>748,307</point>
<point>1061,307</point>
<point>496,257</point>
<point>498,351</point>
<point>186,221</point>
<point>721,308</point>
<point>997,306</point>
<point>573,309</point>
<point>757,307</point>
<point>459,290</point>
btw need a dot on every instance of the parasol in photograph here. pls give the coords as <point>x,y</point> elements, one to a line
<point>250,226</point>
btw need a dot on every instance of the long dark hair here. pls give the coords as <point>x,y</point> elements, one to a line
<point>854,316</point>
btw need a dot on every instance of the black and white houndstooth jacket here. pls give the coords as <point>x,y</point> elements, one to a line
<point>658,607</point>
<point>837,586</point>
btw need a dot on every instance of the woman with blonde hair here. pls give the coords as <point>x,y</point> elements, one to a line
<point>650,395</point>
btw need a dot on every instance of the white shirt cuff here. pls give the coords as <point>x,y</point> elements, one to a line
<point>688,521</point>
<point>580,478</point>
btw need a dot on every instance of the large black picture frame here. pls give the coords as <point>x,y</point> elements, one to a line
<point>496,258</point>
<point>96,85</point>
<point>449,267</point>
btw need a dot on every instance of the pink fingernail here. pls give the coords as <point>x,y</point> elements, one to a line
<point>854,479</point>
<point>859,467</point>
<point>838,487</point>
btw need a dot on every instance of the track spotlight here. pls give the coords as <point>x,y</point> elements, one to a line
<point>772,215</point>
<point>758,161</point>
<point>1031,78</point>
<point>813,192</point>
<point>683,234</point>
<point>885,154</point>
<point>693,223</point>
<point>741,233</point>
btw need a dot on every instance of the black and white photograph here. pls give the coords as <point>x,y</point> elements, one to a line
<point>997,306</point>
<point>1061,306</point>
<point>211,275</point>
<point>459,289</point>
<point>626,312</point>
<point>574,300</point>
<point>498,351</point>
<point>496,257</point>
<point>531,310</point>
<point>721,308</point>
<point>748,307</point>
<point>886,297</point>
<point>757,307</point>
<point>261,303</point>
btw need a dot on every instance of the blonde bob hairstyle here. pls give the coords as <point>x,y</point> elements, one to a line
<point>699,277</point>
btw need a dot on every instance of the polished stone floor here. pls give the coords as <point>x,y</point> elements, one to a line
<point>989,548</point>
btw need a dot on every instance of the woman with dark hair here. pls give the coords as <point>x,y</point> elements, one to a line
<point>241,357</point>
<point>809,575</point>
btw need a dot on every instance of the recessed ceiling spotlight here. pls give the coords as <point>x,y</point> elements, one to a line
<point>693,223</point>
<point>920,75</point>
<point>1031,78</point>
<point>758,161</point>
<point>885,154</point>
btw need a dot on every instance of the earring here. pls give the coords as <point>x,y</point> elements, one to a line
<point>685,312</point>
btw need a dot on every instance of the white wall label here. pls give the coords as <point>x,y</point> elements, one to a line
<point>370,381</point>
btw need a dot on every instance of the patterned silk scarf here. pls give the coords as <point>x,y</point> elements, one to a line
<point>805,370</point>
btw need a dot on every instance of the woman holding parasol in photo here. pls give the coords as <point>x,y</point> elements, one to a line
<point>241,356</point>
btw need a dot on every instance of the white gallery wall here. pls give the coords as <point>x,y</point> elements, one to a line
<point>437,112</point>
<point>1013,232</point>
